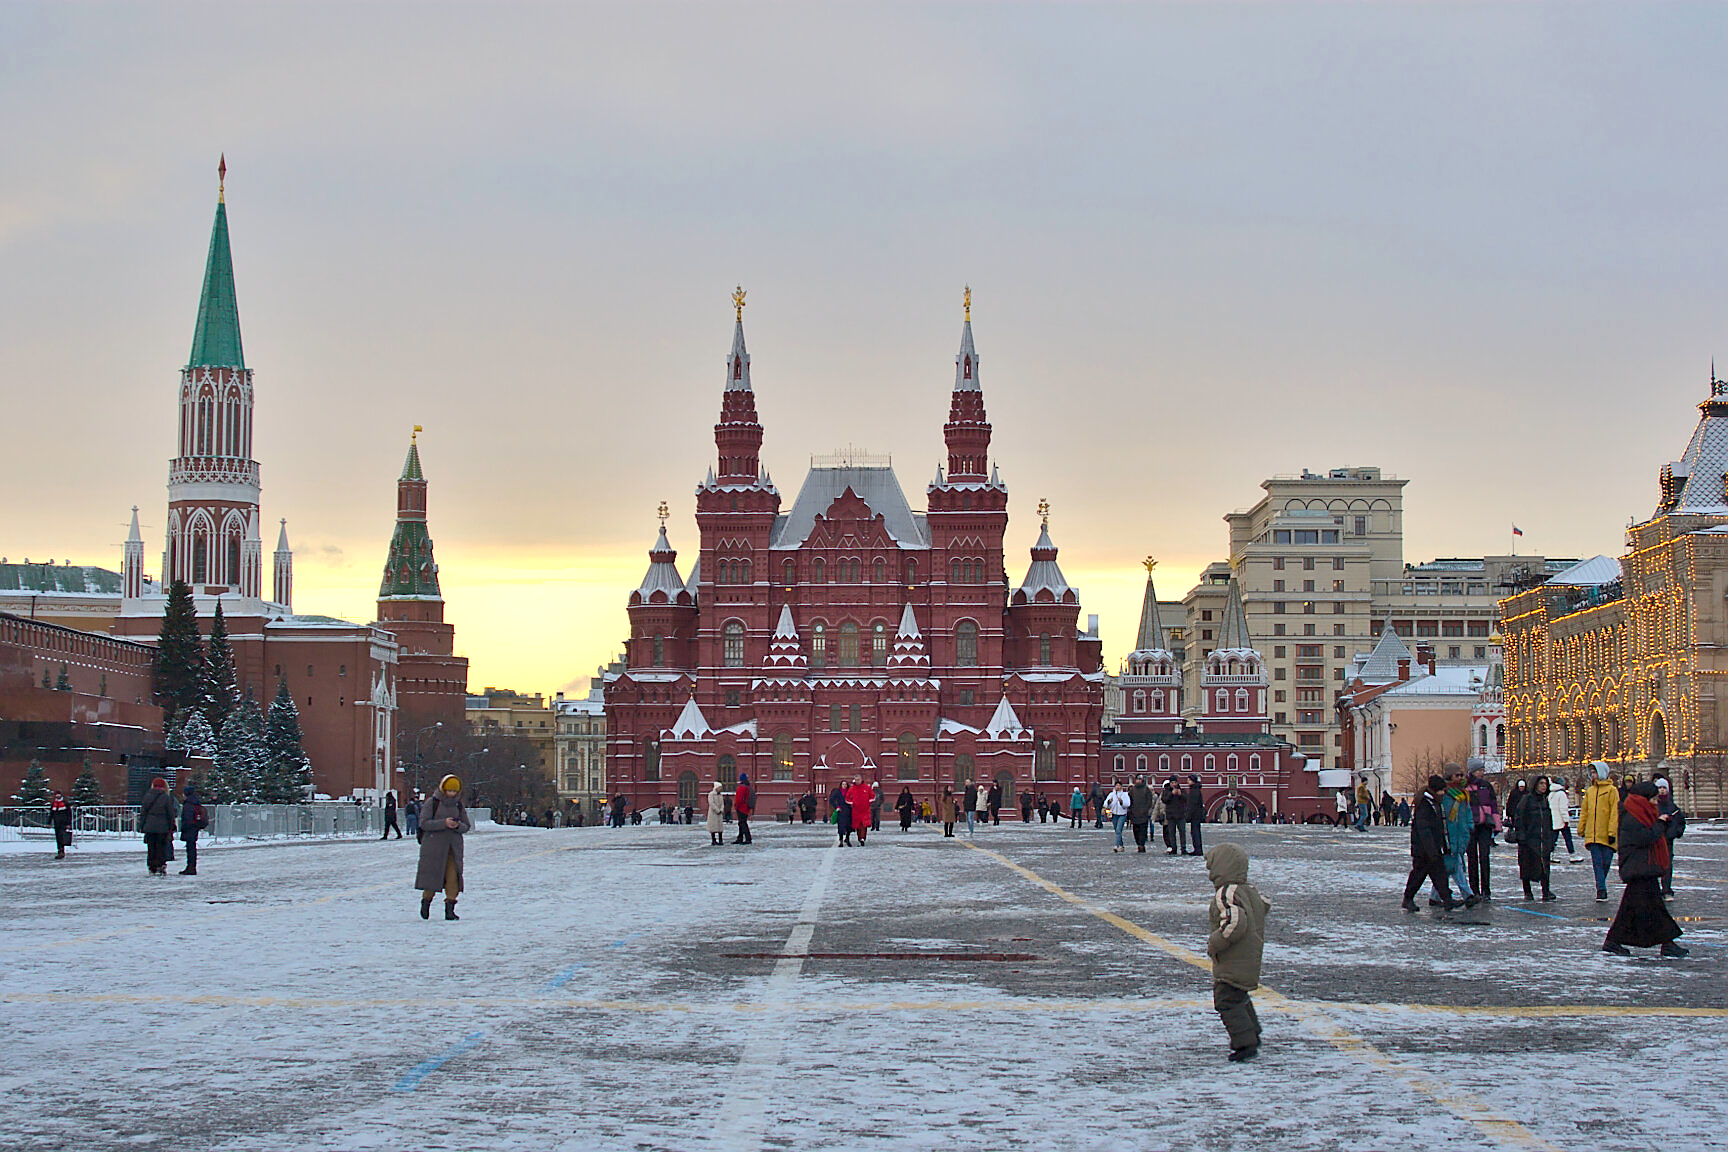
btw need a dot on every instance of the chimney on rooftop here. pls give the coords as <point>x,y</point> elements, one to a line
<point>1425,657</point>
<point>1403,670</point>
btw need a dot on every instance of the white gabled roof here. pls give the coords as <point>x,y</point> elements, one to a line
<point>1005,724</point>
<point>786,629</point>
<point>1381,667</point>
<point>691,724</point>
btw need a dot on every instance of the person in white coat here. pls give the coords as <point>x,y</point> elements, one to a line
<point>1560,805</point>
<point>716,815</point>
<point>1117,805</point>
<point>980,808</point>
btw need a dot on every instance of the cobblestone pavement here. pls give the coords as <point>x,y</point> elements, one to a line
<point>639,989</point>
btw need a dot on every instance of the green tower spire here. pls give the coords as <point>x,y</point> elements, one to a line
<point>216,339</point>
<point>410,572</point>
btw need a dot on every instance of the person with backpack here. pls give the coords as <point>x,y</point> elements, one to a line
<point>444,820</point>
<point>193,820</point>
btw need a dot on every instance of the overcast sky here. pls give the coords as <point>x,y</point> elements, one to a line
<point>1479,246</point>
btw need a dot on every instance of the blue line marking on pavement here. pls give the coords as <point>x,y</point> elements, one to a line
<point>426,1067</point>
<point>563,977</point>
<point>1533,912</point>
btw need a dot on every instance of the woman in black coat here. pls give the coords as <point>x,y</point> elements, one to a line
<point>1535,838</point>
<point>905,805</point>
<point>1643,920</point>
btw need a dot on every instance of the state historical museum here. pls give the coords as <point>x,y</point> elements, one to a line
<point>851,634</point>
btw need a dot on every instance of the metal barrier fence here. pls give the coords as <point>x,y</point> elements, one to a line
<point>317,820</point>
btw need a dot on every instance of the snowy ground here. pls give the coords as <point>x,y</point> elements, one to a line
<point>638,989</point>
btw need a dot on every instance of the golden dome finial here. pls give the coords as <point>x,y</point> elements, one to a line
<point>1044,512</point>
<point>966,302</point>
<point>1150,564</point>
<point>738,302</point>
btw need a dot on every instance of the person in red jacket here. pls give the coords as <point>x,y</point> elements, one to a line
<point>860,794</point>
<point>742,807</point>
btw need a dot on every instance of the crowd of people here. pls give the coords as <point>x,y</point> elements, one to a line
<point>1458,816</point>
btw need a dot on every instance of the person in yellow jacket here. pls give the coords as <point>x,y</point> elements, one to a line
<point>1599,824</point>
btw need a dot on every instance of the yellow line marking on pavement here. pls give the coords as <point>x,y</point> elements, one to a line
<point>1462,1105</point>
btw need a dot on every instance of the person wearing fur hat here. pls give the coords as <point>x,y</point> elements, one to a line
<point>1428,848</point>
<point>1237,917</point>
<point>742,806</point>
<point>443,821</point>
<point>1599,824</point>
<point>156,822</point>
<point>1643,920</point>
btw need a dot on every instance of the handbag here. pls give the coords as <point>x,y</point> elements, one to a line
<point>1510,833</point>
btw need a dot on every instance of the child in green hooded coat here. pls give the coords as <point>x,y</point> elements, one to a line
<point>1237,915</point>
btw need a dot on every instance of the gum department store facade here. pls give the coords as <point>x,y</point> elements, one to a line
<point>1625,661</point>
<point>850,634</point>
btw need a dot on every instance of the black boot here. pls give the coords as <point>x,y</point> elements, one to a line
<point>1674,950</point>
<point>1238,1055</point>
<point>1528,895</point>
<point>450,910</point>
<point>426,908</point>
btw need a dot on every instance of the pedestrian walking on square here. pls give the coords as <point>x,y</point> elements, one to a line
<point>993,802</point>
<point>1196,814</point>
<point>1643,920</point>
<point>156,822</point>
<point>1535,838</point>
<point>1171,806</point>
<point>444,820</point>
<point>192,821</point>
<point>1599,824</point>
<point>390,817</point>
<point>945,811</point>
<point>1076,807</point>
<point>842,813</point>
<point>1460,826</point>
<point>413,811</point>
<point>1025,807</point>
<point>1388,809</point>
<point>875,806</point>
<point>1485,808</point>
<point>1428,848</point>
<point>980,807</point>
<point>716,816</point>
<point>1043,807</point>
<point>1237,917</point>
<point>1673,825</point>
<point>743,803</point>
<point>1364,805</point>
<point>860,796</point>
<point>1560,809</point>
<point>60,816</point>
<point>905,805</point>
<point>1096,799</point>
<point>1403,813</point>
<point>1141,801</point>
<point>1117,803</point>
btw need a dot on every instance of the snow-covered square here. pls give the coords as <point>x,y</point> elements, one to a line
<point>1028,988</point>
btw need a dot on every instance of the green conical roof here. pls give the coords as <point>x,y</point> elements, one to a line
<point>411,466</point>
<point>216,339</point>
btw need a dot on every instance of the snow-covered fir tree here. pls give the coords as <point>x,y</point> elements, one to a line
<point>221,691</point>
<point>288,769</point>
<point>178,673</point>
<point>62,683</point>
<point>196,737</point>
<point>87,790</point>
<point>33,790</point>
<point>240,775</point>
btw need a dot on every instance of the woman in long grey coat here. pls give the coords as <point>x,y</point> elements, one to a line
<point>443,821</point>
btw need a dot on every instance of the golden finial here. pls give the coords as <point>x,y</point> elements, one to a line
<point>738,302</point>
<point>663,513</point>
<point>1044,512</point>
<point>222,179</point>
<point>415,439</point>
<point>966,302</point>
<point>1150,564</point>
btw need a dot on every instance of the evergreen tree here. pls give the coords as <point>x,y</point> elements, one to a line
<point>286,766</point>
<point>179,670</point>
<point>175,740</point>
<point>86,790</point>
<point>33,790</point>
<point>46,682</point>
<point>239,776</point>
<point>221,693</point>
<point>62,683</point>
<point>195,736</point>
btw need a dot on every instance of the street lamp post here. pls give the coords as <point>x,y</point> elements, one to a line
<point>419,763</point>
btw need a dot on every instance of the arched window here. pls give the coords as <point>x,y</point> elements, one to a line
<point>1140,764</point>
<point>819,644</point>
<point>964,769</point>
<point>819,571</point>
<point>232,576</point>
<point>783,762</point>
<point>1254,762</point>
<point>651,760</point>
<point>1044,760</point>
<point>1157,699</point>
<point>954,571</point>
<point>1044,649</point>
<point>659,650</point>
<point>1211,762</point>
<point>744,572</point>
<point>1187,763</point>
<point>848,645</point>
<point>906,765</point>
<point>727,769</point>
<point>1241,699</point>
<point>879,644</point>
<point>1163,765</point>
<point>966,643</point>
<point>688,786</point>
<point>1223,700</point>
<point>732,644</point>
<point>911,572</point>
<point>200,557</point>
<point>1139,700</point>
<point>788,573</point>
<point>881,571</point>
<point>1230,762</point>
<point>1121,762</point>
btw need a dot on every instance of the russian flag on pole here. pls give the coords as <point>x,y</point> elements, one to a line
<point>1517,531</point>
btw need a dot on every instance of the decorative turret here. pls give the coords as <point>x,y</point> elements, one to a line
<point>132,566</point>
<point>738,436</point>
<point>1044,580</point>
<point>1488,714</point>
<point>1151,688</point>
<point>282,587</point>
<point>661,584</point>
<point>410,572</point>
<point>1695,483</point>
<point>910,656</point>
<point>252,559</point>
<point>1233,681</point>
<point>968,429</point>
<point>662,609</point>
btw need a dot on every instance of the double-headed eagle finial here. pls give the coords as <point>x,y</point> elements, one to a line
<point>663,513</point>
<point>738,302</point>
